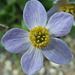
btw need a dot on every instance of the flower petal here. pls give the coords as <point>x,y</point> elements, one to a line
<point>57,51</point>
<point>51,11</point>
<point>16,40</point>
<point>60,24</point>
<point>56,5</point>
<point>34,14</point>
<point>32,61</point>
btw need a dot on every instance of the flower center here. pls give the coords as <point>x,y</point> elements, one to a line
<point>69,8</point>
<point>39,37</point>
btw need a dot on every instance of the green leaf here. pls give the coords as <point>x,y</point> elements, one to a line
<point>72,0</point>
<point>21,3</point>
<point>7,15</point>
<point>9,2</point>
<point>16,26</point>
<point>72,32</point>
<point>47,3</point>
<point>24,26</point>
<point>1,34</point>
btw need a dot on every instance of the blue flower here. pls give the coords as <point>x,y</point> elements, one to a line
<point>62,5</point>
<point>41,38</point>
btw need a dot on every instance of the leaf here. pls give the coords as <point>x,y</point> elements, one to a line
<point>1,34</point>
<point>21,3</point>
<point>7,15</point>
<point>47,3</point>
<point>24,26</point>
<point>9,2</point>
<point>72,32</point>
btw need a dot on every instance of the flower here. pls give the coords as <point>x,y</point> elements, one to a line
<point>62,5</point>
<point>40,39</point>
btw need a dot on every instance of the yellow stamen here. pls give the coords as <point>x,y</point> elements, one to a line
<point>39,37</point>
<point>69,8</point>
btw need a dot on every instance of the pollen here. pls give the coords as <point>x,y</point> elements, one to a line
<point>39,37</point>
<point>69,8</point>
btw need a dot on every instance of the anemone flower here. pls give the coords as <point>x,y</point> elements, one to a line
<point>41,38</point>
<point>62,5</point>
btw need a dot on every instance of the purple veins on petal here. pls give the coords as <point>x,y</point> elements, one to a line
<point>32,61</point>
<point>57,51</point>
<point>60,24</point>
<point>16,40</point>
<point>34,14</point>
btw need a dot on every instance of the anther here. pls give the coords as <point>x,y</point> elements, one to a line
<point>42,39</point>
<point>38,41</point>
<point>43,36</point>
<point>39,36</point>
<point>39,33</point>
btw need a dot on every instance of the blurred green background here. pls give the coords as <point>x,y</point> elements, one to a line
<point>11,14</point>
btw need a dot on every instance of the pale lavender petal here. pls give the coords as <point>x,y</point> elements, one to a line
<point>60,24</point>
<point>16,40</point>
<point>32,61</point>
<point>57,51</point>
<point>51,11</point>
<point>34,14</point>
